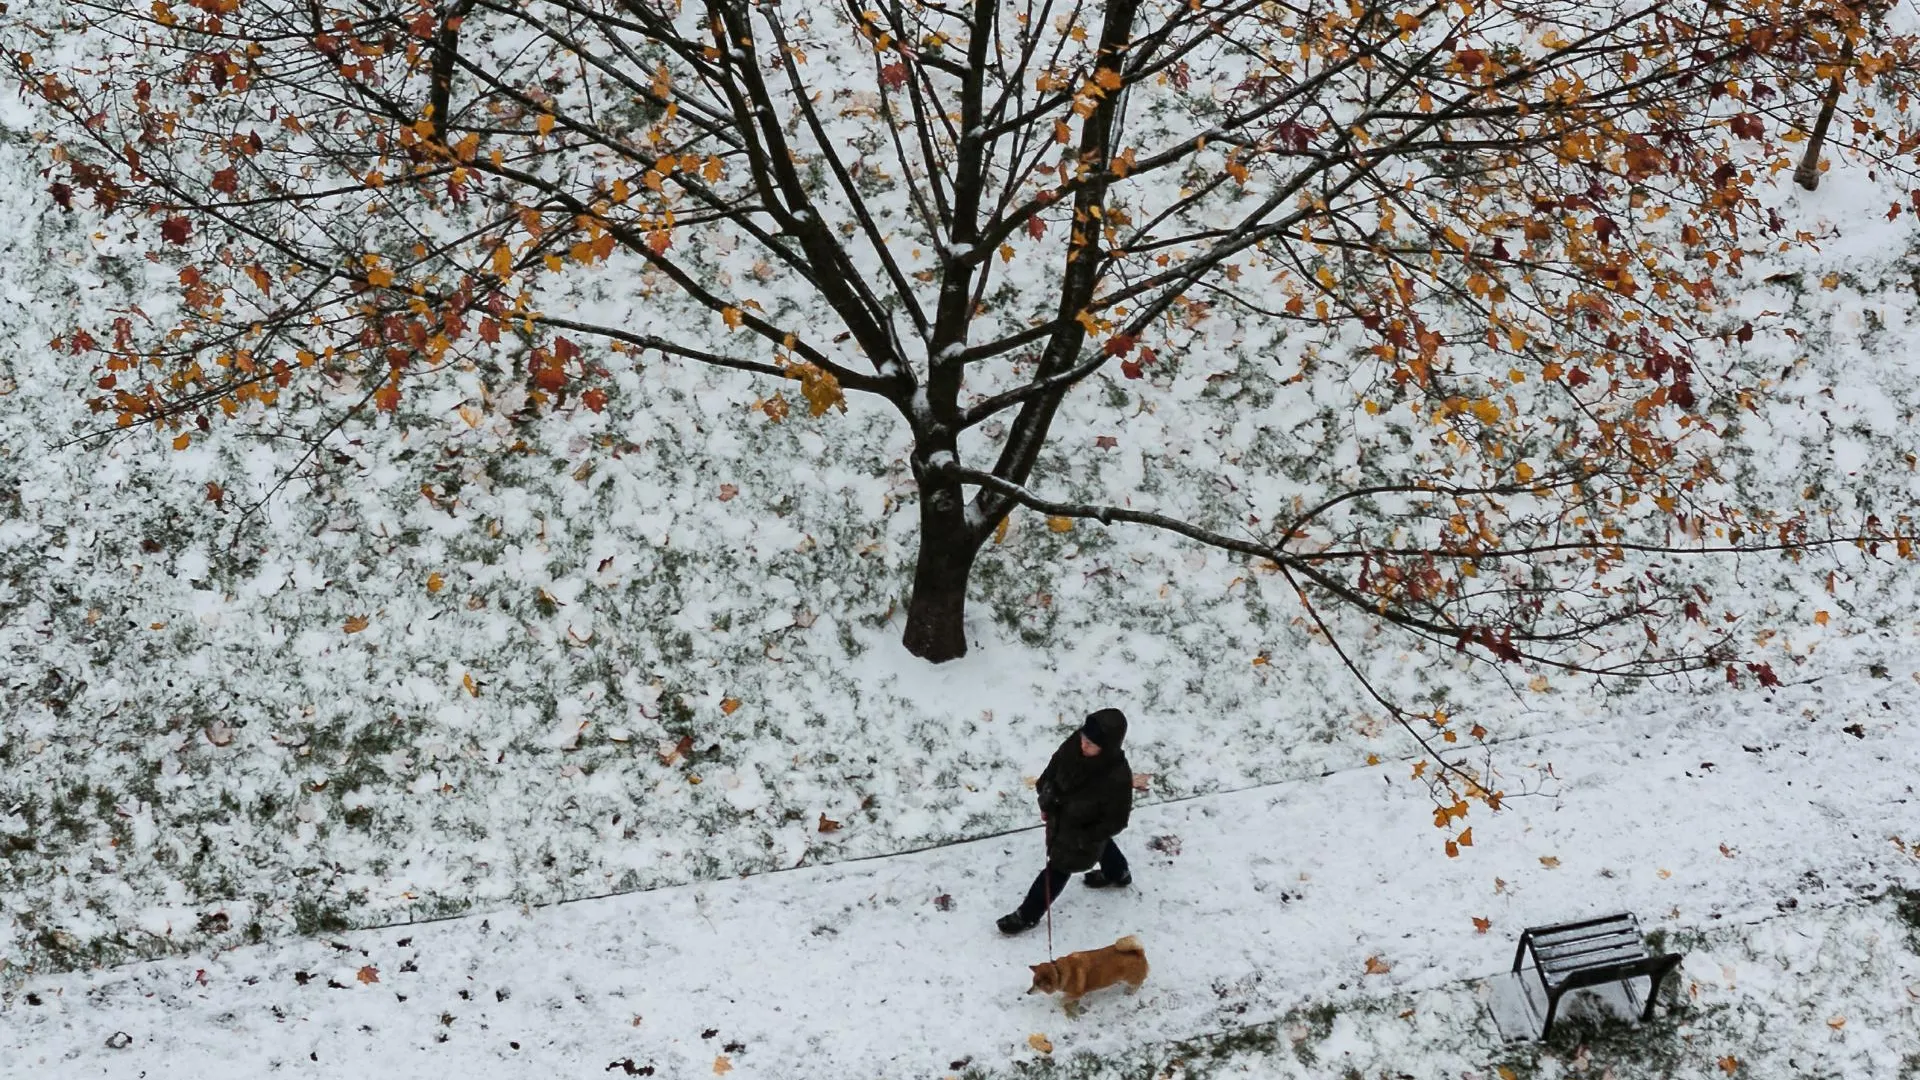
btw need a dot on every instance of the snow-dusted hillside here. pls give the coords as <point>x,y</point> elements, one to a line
<point>463,665</point>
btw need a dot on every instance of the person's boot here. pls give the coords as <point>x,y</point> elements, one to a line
<point>1014,922</point>
<point>1099,880</point>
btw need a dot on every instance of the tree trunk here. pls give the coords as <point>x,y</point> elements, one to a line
<point>936,613</point>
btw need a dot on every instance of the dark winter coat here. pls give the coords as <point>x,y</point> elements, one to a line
<point>1086,800</point>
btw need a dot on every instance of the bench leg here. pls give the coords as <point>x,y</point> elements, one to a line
<point>1658,976</point>
<point>1553,1006</point>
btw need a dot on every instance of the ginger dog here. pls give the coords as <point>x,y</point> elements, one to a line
<point>1076,974</point>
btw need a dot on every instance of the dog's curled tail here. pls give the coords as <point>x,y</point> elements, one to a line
<point>1128,944</point>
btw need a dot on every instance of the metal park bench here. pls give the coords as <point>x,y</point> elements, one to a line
<point>1592,953</point>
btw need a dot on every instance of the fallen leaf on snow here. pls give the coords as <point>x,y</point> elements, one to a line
<point>1550,861</point>
<point>721,1066</point>
<point>368,974</point>
<point>1730,1064</point>
<point>728,705</point>
<point>1141,780</point>
<point>435,582</point>
<point>1377,966</point>
<point>1727,852</point>
<point>827,824</point>
<point>1480,925</point>
<point>356,624</point>
<point>1838,1022</point>
<point>218,733</point>
<point>678,750</point>
<point>1664,874</point>
<point>1039,1042</point>
<point>728,491</point>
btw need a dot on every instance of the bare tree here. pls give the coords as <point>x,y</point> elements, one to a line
<point>1526,213</point>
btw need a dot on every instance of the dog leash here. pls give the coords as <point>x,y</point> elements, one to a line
<point>1047,885</point>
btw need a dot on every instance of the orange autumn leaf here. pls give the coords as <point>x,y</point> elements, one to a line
<point>1040,1042</point>
<point>435,582</point>
<point>721,1066</point>
<point>183,441</point>
<point>827,825</point>
<point>356,623</point>
<point>1377,966</point>
<point>1480,925</point>
<point>368,974</point>
<point>1729,1064</point>
<point>1550,861</point>
<point>727,705</point>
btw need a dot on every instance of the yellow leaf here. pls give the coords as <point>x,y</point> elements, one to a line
<point>1836,1023</point>
<point>728,705</point>
<point>1060,524</point>
<point>435,582</point>
<point>502,262</point>
<point>183,441</point>
<point>1538,684</point>
<point>467,681</point>
<point>554,263</point>
<point>1551,862</point>
<point>1419,769</point>
<point>1000,530</point>
<point>1006,252</point>
<point>1507,1074</point>
<point>1377,966</point>
<point>1040,1042</point>
<point>544,124</point>
<point>356,624</point>
<point>1107,79</point>
<point>733,316</point>
<point>1373,759</point>
<point>621,192</point>
<point>1819,618</point>
<point>1523,472</point>
<point>379,277</point>
<point>713,170</point>
<point>721,1066</point>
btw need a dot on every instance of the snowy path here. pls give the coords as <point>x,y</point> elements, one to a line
<point>1276,897</point>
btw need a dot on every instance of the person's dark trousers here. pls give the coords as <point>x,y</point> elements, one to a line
<point>1047,886</point>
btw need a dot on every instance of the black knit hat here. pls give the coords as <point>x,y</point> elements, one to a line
<point>1105,728</point>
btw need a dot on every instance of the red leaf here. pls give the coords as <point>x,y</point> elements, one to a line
<point>1578,377</point>
<point>1748,126</point>
<point>489,331</point>
<point>226,181</point>
<point>176,230</point>
<point>595,399</point>
<point>894,75</point>
<point>550,377</point>
<point>387,398</point>
<point>63,196</point>
<point>1764,672</point>
<point>1035,227</point>
<point>1130,368</point>
<point>1120,344</point>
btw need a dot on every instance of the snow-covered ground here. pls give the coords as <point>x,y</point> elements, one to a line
<point>199,750</point>
<point>1749,829</point>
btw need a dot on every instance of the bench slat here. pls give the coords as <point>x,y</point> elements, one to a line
<point>1574,932</point>
<point>1614,959</point>
<point>1574,949</point>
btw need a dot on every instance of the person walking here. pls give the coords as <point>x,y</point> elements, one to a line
<point>1086,796</point>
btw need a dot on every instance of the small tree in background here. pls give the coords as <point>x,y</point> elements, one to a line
<point>1507,227</point>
